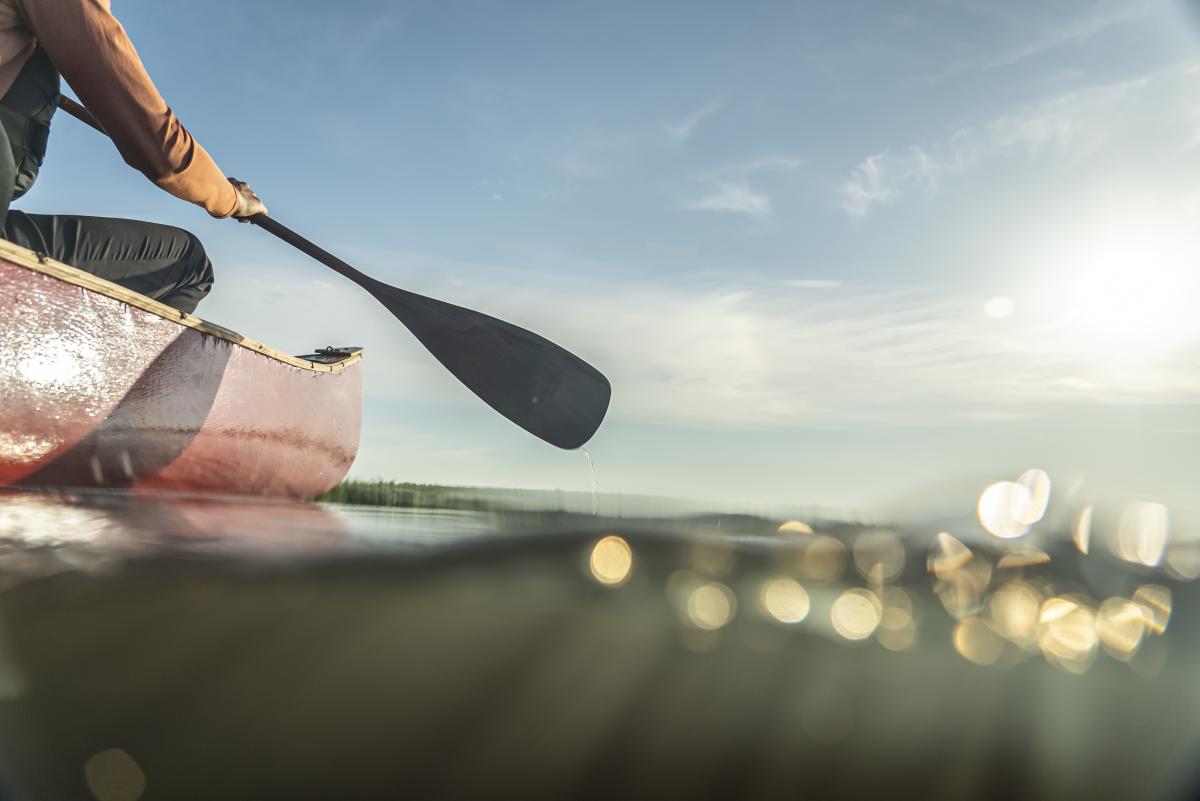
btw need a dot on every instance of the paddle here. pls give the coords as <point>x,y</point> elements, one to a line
<point>545,389</point>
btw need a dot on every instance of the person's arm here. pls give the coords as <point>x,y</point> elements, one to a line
<point>93,53</point>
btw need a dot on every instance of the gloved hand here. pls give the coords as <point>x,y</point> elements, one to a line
<point>249,203</point>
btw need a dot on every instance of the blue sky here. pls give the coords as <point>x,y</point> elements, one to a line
<point>867,255</point>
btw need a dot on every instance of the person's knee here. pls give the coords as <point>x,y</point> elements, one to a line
<point>195,273</point>
<point>192,254</point>
<point>195,267</point>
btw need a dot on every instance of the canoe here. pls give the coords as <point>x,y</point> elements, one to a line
<point>103,387</point>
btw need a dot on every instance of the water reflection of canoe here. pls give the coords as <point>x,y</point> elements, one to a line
<point>101,386</point>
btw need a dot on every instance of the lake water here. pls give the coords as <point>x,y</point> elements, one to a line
<point>223,648</point>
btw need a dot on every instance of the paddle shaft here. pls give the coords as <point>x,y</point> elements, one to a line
<point>79,112</point>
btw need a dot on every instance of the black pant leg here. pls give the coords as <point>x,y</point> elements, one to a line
<point>159,261</point>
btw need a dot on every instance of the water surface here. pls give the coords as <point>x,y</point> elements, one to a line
<point>223,648</point>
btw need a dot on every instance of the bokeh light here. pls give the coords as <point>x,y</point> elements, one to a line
<point>1012,612</point>
<point>794,527</point>
<point>976,642</point>
<point>1001,508</point>
<point>785,600</point>
<point>113,775</point>
<point>961,576</point>
<point>1182,561</point>
<point>1028,556</point>
<point>1154,601</point>
<point>947,555</point>
<point>680,585</point>
<point>1142,533</point>
<point>711,606</point>
<point>878,555</point>
<point>1083,530</point>
<point>1066,633</point>
<point>824,558</point>
<point>611,561</point>
<point>856,614</point>
<point>1037,482</point>
<point>897,629</point>
<point>897,609</point>
<point>1121,625</point>
<point>898,639</point>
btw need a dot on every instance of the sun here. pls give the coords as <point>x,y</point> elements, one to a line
<point>1130,290</point>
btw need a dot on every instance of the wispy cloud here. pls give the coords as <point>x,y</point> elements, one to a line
<point>1072,126</point>
<point>729,187</point>
<point>1049,36</point>
<point>869,183</point>
<point>1072,34</point>
<point>684,128</point>
<point>733,197</point>
<point>879,178</point>
<point>752,355</point>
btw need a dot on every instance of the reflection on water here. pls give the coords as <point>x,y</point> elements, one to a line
<point>1004,596</point>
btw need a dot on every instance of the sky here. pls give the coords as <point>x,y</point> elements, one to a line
<point>866,256</point>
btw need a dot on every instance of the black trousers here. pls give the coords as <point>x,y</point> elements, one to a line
<point>162,262</point>
<point>159,261</point>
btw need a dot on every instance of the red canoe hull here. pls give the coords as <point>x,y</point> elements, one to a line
<point>100,387</point>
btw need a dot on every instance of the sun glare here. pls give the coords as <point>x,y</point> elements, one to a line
<point>1130,290</point>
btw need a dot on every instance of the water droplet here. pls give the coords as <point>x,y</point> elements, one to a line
<point>595,483</point>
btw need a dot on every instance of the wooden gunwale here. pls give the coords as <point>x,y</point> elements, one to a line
<point>40,263</point>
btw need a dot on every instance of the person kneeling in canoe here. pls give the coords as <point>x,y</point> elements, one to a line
<point>82,41</point>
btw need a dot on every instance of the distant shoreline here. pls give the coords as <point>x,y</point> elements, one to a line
<point>602,506</point>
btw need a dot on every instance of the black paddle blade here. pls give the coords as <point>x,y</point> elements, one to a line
<point>545,389</point>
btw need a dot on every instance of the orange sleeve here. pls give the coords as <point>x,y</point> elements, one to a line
<point>93,53</point>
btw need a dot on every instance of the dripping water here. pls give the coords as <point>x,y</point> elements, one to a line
<point>595,485</point>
